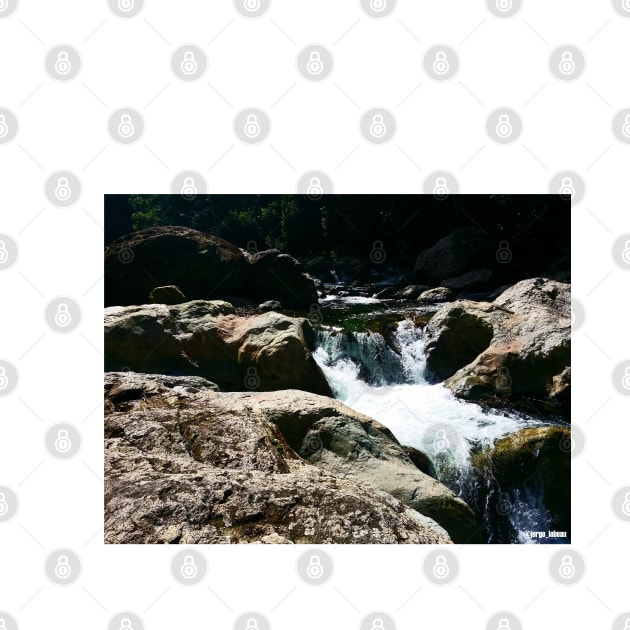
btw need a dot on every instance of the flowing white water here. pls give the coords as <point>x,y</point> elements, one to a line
<point>390,386</point>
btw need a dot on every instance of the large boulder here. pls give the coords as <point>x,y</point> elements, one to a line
<point>512,347</point>
<point>534,462</point>
<point>464,249</point>
<point>267,352</point>
<point>356,447</point>
<point>277,276</point>
<point>186,464</point>
<point>201,265</point>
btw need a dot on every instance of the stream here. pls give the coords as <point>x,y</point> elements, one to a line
<point>381,372</point>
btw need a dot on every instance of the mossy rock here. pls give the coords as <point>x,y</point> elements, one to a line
<point>535,459</point>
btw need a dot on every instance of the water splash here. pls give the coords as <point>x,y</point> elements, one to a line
<point>385,379</point>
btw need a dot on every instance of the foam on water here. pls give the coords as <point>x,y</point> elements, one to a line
<point>403,400</point>
<point>390,386</point>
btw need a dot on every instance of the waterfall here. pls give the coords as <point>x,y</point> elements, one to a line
<point>385,379</point>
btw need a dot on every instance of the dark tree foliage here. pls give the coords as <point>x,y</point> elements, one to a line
<point>537,227</point>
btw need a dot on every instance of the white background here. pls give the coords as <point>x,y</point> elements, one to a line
<point>314,126</point>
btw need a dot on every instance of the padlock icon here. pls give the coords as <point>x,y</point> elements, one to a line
<point>378,254</point>
<point>189,189</point>
<point>625,254</point>
<point>4,5</point>
<point>4,128</point>
<point>63,570</point>
<point>4,506</point>
<point>252,126</point>
<point>63,65</point>
<point>63,191</point>
<point>251,378</point>
<point>315,187</point>
<point>625,506</point>
<point>567,568</point>
<point>315,316</point>
<point>189,64</point>
<point>125,624</point>
<point>378,128</point>
<point>503,380</point>
<point>378,5</point>
<point>62,316</point>
<point>252,247</point>
<point>440,63</point>
<point>378,624</point>
<point>504,254</point>
<point>625,381</point>
<point>504,5</point>
<point>126,128</point>
<point>567,64</point>
<point>626,625</point>
<point>504,126</point>
<point>63,443</point>
<point>315,570</point>
<point>126,5</point>
<point>4,381</point>
<point>626,6</point>
<point>252,624</point>
<point>503,505</point>
<point>440,189</point>
<point>4,254</point>
<point>440,568</point>
<point>625,130</point>
<point>252,5</point>
<point>566,187</point>
<point>315,64</point>
<point>440,442</point>
<point>504,624</point>
<point>189,568</point>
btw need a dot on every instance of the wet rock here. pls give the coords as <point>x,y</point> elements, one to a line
<point>411,292</point>
<point>530,462</point>
<point>436,295</point>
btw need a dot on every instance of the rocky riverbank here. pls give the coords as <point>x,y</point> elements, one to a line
<point>221,425</point>
<point>185,463</point>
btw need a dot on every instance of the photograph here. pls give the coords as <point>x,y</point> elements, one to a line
<point>337,369</point>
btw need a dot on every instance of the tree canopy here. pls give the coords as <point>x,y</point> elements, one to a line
<point>537,227</point>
